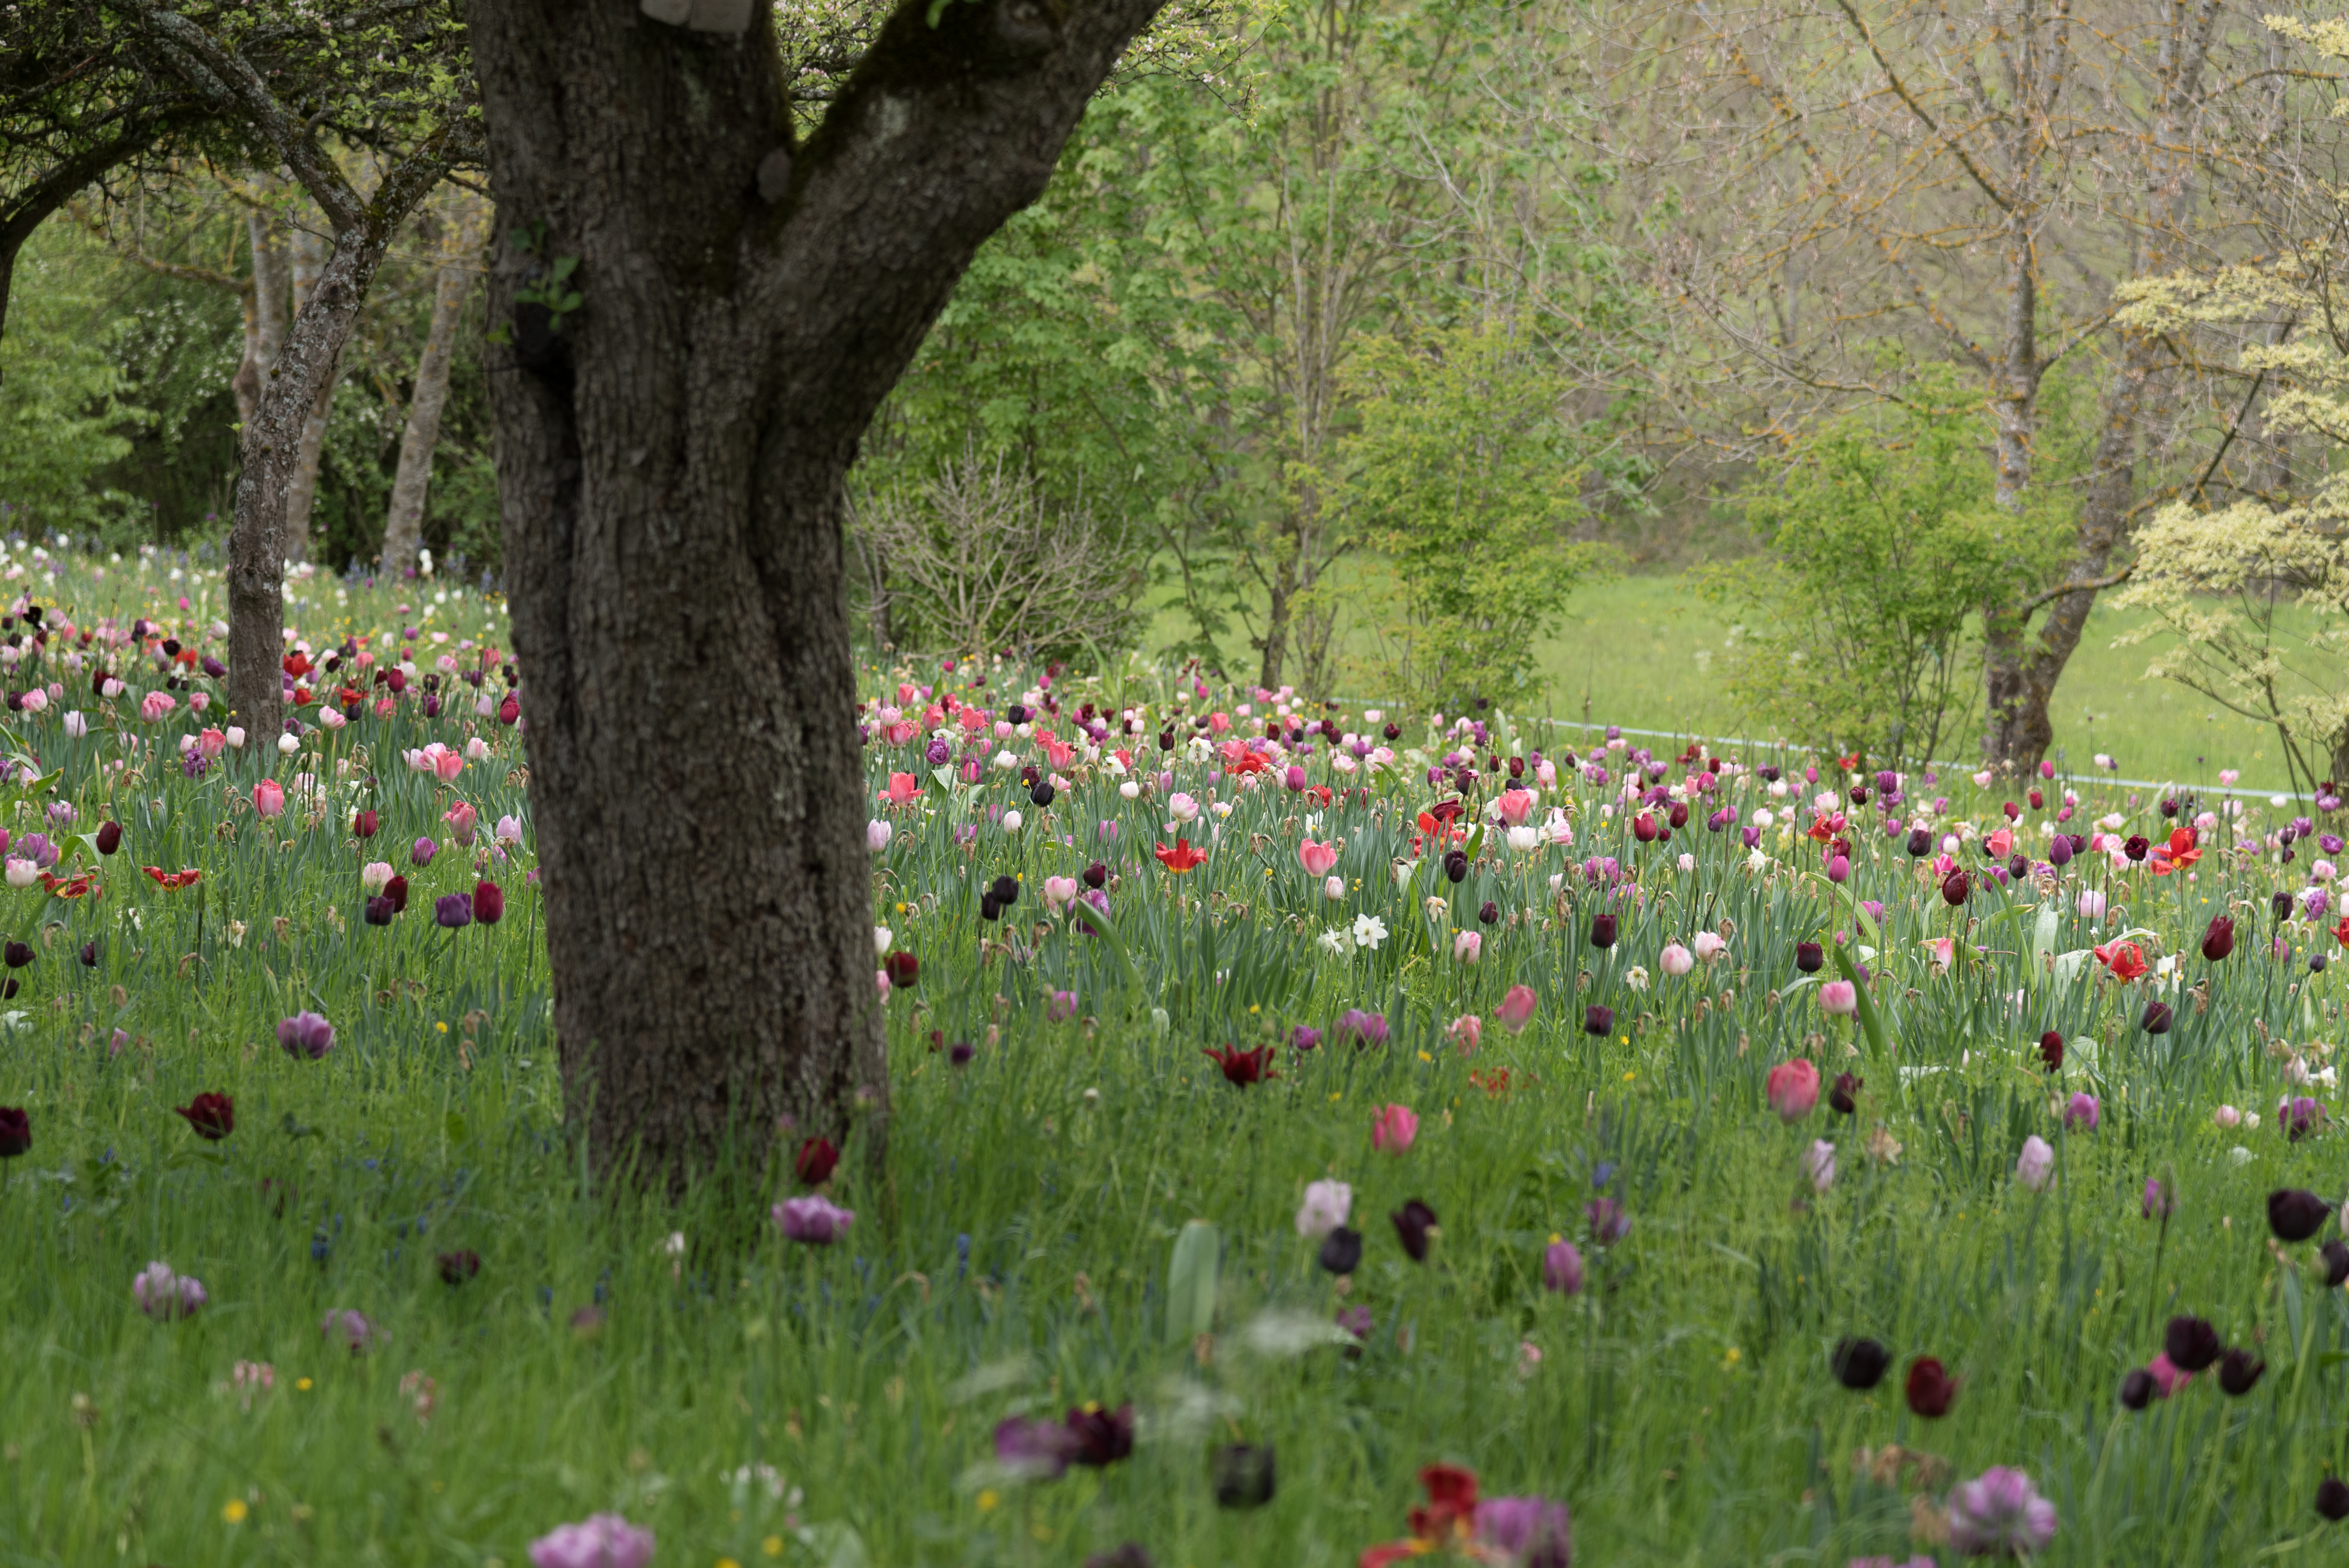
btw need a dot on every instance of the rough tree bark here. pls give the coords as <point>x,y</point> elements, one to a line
<point>403,528</point>
<point>309,256</point>
<point>265,309</point>
<point>670,456</point>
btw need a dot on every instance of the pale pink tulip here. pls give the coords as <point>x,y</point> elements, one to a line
<point>1317,858</point>
<point>1517,1009</point>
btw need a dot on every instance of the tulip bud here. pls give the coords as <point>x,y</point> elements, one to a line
<point>816,1160</point>
<point>1955,889</point>
<point>2220,939</point>
<point>1921,842</point>
<point>902,967</point>
<point>2137,1389</point>
<point>109,837</point>
<point>364,824</point>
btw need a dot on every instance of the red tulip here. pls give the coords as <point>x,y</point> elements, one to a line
<point>1931,1391</point>
<point>1245,1067</point>
<point>489,902</point>
<point>213,1117</point>
<point>816,1161</point>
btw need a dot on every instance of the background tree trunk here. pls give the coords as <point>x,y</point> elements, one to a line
<point>670,455</point>
<point>265,309</point>
<point>309,254</point>
<point>403,527</point>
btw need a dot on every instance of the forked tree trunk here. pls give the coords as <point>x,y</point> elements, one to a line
<point>403,528</point>
<point>670,456</point>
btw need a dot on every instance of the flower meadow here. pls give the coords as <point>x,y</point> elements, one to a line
<point>1316,1135</point>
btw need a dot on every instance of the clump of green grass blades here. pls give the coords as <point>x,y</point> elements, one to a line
<point>748,1399</point>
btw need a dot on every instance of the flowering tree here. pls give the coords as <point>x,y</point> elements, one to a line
<point>2256,592</point>
<point>700,310</point>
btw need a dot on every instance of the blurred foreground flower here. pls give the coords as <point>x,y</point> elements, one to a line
<point>817,1221</point>
<point>2000,1514</point>
<point>306,1034</point>
<point>164,1295</point>
<point>603,1540</point>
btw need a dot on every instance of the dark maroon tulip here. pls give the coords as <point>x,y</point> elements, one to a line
<point>2332,1499</point>
<point>2137,1389</point>
<point>1100,1437</point>
<point>1844,1099</point>
<point>16,1132</point>
<point>1921,843</point>
<point>489,902</point>
<point>1859,1364</point>
<point>1931,1389</point>
<point>1096,876</point>
<point>2296,1214</point>
<point>2336,1263</point>
<point>1341,1252</point>
<point>2135,848</point>
<point>456,1267</point>
<point>1456,864</point>
<point>397,891</point>
<point>2156,1017</point>
<point>816,1161</point>
<point>1955,889</point>
<point>1598,1021</point>
<point>381,909</point>
<point>1678,816</point>
<point>89,954</point>
<point>109,837</point>
<point>2239,1370</point>
<point>508,711</point>
<point>363,824</point>
<point>213,1117</point>
<point>1810,957</point>
<point>2190,1342</point>
<point>17,955</point>
<point>902,968</point>
<point>2220,939</point>
<point>1415,1222</point>
<point>1242,1474</point>
<point>2051,1051</point>
<point>1602,930</point>
<point>1488,913</point>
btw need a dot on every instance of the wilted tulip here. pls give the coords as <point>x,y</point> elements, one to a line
<point>1859,1364</point>
<point>1414,1224</point>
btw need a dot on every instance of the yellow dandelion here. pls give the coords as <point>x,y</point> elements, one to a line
<point>234,1511</point>
<point>987,1500</point>
<point>773,1546</point>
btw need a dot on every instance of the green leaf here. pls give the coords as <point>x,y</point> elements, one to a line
<point>1191,1274</point>
<point>1868,1021</point>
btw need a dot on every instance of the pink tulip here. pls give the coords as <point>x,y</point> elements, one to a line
<point>1393,1129</point>
<point>1317,858</point>
<point>155,705</point>
<point>461,818</point>
<point>2001,843</point>
<point>1517,1009</point>
<point>1466,946</point>
<point>1675,959</point>
<point>1839,997</point>
<point>1466,1031</point>
<point>1794,1089</point>
<point>1059,890</point>
<point>269,799</point>
<point>1516,805</point>
<point>211,743</point>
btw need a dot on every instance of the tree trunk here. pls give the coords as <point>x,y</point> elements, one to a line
<point>670,455</point>
<point>309,252</point>
<point>264,311</point>
<point>1275,640</point>
<point>403,528</point>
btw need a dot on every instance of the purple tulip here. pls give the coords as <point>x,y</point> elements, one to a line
<point>1033,1449</point>
<point>818,1221</point>
<point>1359,1028</point>
<point>453,909</point>
<point>1562,1269</point>
<point>351,1329</point>
<point>306,1034</point>
<point>2082,1113</point>
<point>1609,1223</point>
<point>421,852</point>
<point>604,1540</point>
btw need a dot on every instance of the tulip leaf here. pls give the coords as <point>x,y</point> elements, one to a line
<point>835,1545</point>
<point>1100,924</point>
<point>2042,943</point>
<point>1868,1021</point>
<point>1865,922</point>
<point>1191,1279</point>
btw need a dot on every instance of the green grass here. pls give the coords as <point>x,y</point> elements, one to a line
<point>1643,651</point>
<point>1012,1247</point>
